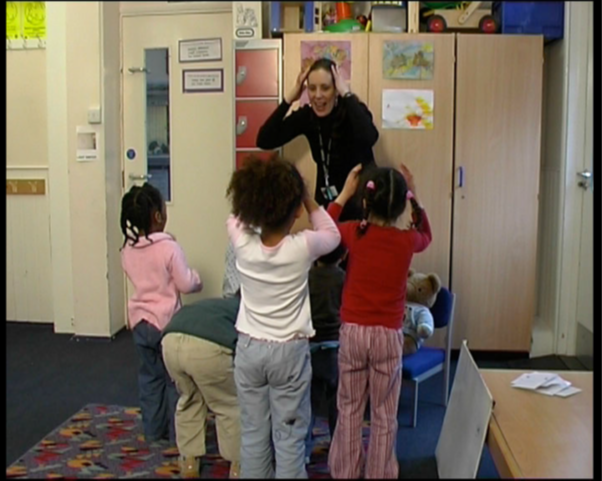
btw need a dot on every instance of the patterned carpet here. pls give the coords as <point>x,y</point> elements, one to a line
<point>106,442</point>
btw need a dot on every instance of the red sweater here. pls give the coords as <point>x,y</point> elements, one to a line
<point>377,270</point>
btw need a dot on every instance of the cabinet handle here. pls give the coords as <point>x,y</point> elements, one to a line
<point>460,177</point>
<point>241,74</point>
<point>241,125</point>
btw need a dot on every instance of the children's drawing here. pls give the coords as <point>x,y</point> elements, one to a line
<point>408,60</point>
<point>408,109</point>
<point>337,51</point>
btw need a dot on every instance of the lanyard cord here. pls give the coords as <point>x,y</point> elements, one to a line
<point>325,156</point>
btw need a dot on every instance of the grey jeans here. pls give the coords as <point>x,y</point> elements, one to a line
<point>273,382</point>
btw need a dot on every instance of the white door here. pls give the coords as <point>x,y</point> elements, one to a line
<point>585,292</point>
<point>182,141</point>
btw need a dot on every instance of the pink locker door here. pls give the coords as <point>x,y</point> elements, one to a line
<point>257,73</point>
<point>250,116</point>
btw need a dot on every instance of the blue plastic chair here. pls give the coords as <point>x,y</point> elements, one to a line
<point>428,361</point>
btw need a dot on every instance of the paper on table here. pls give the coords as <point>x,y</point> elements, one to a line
<point>569,391</point>
<point>544,383</point>
<point>532,380</point>
<point>554,386</point>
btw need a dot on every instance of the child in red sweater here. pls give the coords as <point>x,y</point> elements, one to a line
<point>371,338</point>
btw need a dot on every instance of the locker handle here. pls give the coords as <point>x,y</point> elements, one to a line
<point>241,125</point>
<point>241,74</point>
<point>460,177</point>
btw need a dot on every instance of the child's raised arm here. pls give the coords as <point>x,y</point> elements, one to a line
<point>325,237</point>
<point>422,234</point>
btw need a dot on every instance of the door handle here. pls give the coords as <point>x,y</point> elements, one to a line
<point>241,74</point>
<point>140,177</point>
<point>460,177</point>
<point>586,175</point>
<point>241,125</point>
<point>138,70</point>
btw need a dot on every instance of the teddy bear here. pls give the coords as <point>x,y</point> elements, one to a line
<point>418,323</point>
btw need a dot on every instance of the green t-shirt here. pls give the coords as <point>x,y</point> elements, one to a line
<point>209,319</point>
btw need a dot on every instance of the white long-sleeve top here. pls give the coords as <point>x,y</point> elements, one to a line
<point>274,291</point>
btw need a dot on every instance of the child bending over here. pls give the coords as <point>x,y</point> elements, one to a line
<point>155,265</point>
<point>272,366</point>
<point>371,338</point>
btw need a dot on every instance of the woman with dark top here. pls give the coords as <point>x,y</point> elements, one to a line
<point>338,127</point>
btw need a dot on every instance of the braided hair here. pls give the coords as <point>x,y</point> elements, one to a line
<point>384,197</point>
<point>138,207</point>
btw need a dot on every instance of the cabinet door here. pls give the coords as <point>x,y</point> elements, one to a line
<point>427,153</point>
<point>498,137</point>
<point>257,73</point>
<point>250,116</point>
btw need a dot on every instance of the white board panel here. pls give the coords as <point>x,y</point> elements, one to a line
<point>466,421</point>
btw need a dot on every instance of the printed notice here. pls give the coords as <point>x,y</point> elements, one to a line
<point>203,80</point>
<point>202,50</point>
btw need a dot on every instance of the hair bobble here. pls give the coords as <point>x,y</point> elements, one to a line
<point>370,185</point>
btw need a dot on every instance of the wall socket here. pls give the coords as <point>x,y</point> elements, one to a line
<point>94,115</point>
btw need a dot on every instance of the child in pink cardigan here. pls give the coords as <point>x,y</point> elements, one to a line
<point>155,264</point>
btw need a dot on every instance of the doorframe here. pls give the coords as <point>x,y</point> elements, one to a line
<point>577,15</point>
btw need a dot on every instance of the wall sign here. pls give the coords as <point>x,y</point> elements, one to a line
<point>203,80</point>
<point>200,50</point>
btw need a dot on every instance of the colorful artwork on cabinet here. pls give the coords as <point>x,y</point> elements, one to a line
<point>408,60</point>
<point>337,51</point>
<point>408,109</point>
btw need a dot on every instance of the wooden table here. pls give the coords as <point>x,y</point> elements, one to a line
<point>532,435</point>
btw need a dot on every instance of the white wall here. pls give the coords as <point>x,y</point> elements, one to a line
<point>88,287</point>
<point>111,106</point>
<point>28,257</point>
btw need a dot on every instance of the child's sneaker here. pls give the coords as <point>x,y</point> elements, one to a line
<point>234,470</point>
<point>189,467</point>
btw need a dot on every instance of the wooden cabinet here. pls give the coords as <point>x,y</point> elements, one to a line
<point>477,170</point>
<point>497,152</point>
<point>427,153</point>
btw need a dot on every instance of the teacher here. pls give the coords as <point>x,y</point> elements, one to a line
<point>338,127</point>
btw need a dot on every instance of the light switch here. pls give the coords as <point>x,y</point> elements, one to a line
<point>94,115</point>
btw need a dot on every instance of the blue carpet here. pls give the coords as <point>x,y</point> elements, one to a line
<point>51,376</point>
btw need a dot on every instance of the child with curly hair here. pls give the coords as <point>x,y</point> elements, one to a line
<point>272,366</point>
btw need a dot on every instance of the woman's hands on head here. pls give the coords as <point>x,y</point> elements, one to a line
<point>298,88</point>
<point>339,83</point>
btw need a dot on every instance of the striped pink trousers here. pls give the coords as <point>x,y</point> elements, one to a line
<point>369,365</point>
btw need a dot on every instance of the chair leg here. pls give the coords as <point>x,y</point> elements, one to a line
<point>445,386</point>
<point>415,410</point>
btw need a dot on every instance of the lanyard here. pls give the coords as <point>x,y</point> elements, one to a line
<point>325,157</point>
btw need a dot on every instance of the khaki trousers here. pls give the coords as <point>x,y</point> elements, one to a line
<point>204,376</point>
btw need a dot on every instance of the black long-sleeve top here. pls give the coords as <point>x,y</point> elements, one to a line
<point>351,140</point>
